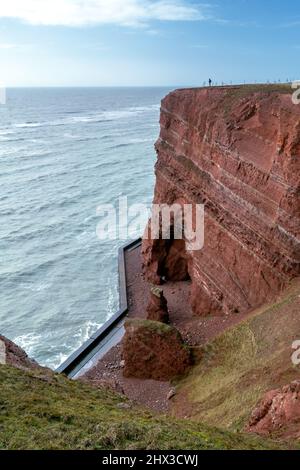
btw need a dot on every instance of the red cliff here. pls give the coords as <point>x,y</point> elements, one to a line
<point>237,151</point>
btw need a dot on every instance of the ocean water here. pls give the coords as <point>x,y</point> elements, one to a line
<point>63,153</point>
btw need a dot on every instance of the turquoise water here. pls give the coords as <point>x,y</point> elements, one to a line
<point>63,153</point>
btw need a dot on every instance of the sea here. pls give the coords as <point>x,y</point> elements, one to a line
<point>63,153</point>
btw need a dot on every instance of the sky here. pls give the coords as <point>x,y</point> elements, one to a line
<point>147,43</point>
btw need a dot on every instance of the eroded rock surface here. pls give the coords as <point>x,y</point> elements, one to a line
<point>153,350</point>
<point>279,411</point>
<point>237,151</point>
<point>157,309</point>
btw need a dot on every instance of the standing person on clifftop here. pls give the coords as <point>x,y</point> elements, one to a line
<point>210,82</point>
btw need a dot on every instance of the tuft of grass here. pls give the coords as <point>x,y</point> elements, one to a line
<point>58,413</point>
<point>150,325</point>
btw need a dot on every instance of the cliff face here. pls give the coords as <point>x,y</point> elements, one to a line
<point>237,151</point>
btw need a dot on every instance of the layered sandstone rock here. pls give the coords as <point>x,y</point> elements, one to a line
<point>279,411</point>
<point>157,309</point>
<point>153,350</point>
<point>237,151</point>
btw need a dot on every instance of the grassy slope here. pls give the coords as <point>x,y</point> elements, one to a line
<point>39,410</point>
<point>241,364</point>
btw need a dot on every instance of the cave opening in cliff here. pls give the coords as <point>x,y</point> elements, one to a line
<point>174,265</point>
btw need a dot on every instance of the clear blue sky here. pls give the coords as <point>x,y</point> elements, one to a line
<point>144,42</point>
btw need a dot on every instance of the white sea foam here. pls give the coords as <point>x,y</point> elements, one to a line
<point>83,334</point>
<point>84,236</point>
<point>92,118</point>
<point>35,287</point>
<point>23,125</point>
<point>29,342</point>
<point>5,134</point>
<point>57,360</point>
<point>140,141</point>
<point>86,331</point>
<point>6,131</point>
<point>112,304</point>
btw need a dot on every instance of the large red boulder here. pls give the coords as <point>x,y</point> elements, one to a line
<point>153,350</point>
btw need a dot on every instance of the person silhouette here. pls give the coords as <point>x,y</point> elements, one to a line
<point>210,82</point>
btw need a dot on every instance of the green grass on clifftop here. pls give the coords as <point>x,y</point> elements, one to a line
<point>39,410</point>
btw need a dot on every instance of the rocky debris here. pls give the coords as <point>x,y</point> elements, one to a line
<point>107,382</point>
<point>218,147</point>
<point>13,355</point>
<point>153,350</point>
<point>124,406</point>
<point>279,411</point>
<point>157,309</point>
<point>171,394</point>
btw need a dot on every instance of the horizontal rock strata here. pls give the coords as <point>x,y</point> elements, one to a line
<point>237,151</point>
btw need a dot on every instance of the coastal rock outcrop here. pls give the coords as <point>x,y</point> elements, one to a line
<point>236,150</point>
<point>153,350</point>
<point>279,411</point>
<point>157,309</point>
<point>13,355</point>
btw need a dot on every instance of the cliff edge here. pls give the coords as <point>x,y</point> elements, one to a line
<point>237,151</point>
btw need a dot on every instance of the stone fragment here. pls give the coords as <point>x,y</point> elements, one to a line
<point>157,309</point>
<point>171,394</point>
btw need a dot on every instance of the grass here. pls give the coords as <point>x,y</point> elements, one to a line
<point>150,325</point>
<point>240,365</point>
<point>236,94</point>
<point>248,88</point>
<point>240,91</point>
<point>40,410</point>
